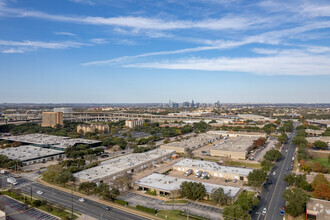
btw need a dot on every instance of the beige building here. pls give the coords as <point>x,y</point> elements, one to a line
<point>134,123</point>
<point>103,128</point>
<point>51,119</point>
<point>318,209</point>
<point>234,148</point>
<point>213,169</point>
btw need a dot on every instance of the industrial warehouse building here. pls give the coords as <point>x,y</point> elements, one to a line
<point>191,143</point>
<point>165,185</point>
<point>234,148</point>
<point>108,170</point>
<point>213,169</point>
<point>51,141</point>
<point>31,154</point>
<point>39,148</point>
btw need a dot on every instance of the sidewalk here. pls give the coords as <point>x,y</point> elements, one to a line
<point>96,199</point>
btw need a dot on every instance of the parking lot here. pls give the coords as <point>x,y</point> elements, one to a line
<point>191,207</point>
<point>16,210</point>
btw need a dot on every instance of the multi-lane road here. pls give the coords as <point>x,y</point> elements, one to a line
<point>89,207</point>
<point>271,196</point>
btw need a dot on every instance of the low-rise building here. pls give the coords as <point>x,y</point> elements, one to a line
<point>325,139</point>
<point>165,185</point>
<point>190,143</point>
<point>108,170</point>
<point>313,133</point>
<point>31,154</point>
<point>134,123</point>
<point>238,134</point>
<point>213,169</point>
<point>50,141</point>
<point>318,209</point>
<point>234,148</point>
<point>103,128</point>
<point>320,123</point>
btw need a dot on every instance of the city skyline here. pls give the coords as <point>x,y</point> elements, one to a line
<point>104,51</point>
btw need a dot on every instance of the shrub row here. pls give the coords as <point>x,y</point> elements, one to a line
<point>122,202</point>
<point>153,211</point>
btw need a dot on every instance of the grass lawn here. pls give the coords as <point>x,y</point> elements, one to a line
<point>323,161</point>
<point>241,164</point>
<point>176,214</point>
<point>177,201</point>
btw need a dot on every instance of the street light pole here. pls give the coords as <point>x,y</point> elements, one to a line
<point>72,203</point>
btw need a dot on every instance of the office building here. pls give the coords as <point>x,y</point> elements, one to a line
<point>100,128</point>
<point>51,119</point>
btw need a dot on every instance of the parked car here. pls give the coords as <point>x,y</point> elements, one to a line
<point>203,151</point>
<point>274,173</point>
<point>234,180</point>
<point>82,200</point>
<point>40,192</point>
<point>198,174</point>
<point>205,175</point>
<point>282,212</point>
<point>264,211</point>
<point>188,172</point>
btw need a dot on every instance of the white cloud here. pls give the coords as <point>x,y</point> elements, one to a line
<point>301,64</point>
<point>318,49</point>
<point>238,22</point>
<point>12,50</point>
<point>86,2</point>
<point>265,51</point>
<point>64,33</point>
<point>99,41</point>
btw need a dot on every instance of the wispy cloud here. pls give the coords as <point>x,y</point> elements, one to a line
<point>64,33</point>
<point>12,50</point>
<point>301,64</point>
<point>99,41</point>
<point>85,2</point>
<point>237,22</point>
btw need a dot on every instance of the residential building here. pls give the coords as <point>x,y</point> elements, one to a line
<point>317,209</point>
<point>103,128</point>
<point>134,123</point>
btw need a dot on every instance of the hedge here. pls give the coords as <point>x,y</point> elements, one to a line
<point>153,211</point>
<point>122,202</point>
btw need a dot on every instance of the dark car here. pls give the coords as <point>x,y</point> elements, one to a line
<point>270,182</point>
<point>107,208</point>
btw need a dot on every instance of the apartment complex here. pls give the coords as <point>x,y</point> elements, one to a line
<point>103,128</point>
<point>51,119</point>
<point>134,123</point>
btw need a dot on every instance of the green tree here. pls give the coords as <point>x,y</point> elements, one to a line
<point>273,155</point>
<point>192,190</point>
<point>218,195</point>
<point>247,200</point>
<point>87,187</point>
<point>235,212</point>
<point>266,165</point>
<point>299,140</point>
<point>296,201</point>
<point>321,145</point>
<point>257,177</point>
<point>282,138</point>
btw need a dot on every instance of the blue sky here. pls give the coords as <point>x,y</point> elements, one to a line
<point>109,51</point>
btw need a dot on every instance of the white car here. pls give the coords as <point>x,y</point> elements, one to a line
<point>40,192</point>
<point>82,200</point>
<point>264,211</point>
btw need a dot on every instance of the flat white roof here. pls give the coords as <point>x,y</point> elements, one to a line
<point>238,144</point>
<point>212,166</point>
<point>169,183</point>
<point>28,152</point>
<point>193,142</point>
<point>115,165</point>
<point>45,139</point>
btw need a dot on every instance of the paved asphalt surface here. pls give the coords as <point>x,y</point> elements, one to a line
<point>271,196</point>
<point>89,207</point>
